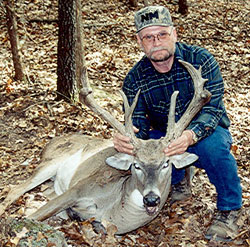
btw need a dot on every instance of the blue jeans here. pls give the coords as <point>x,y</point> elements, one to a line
<point>221,168</point>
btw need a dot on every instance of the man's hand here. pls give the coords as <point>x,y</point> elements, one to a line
<point>180,145</point>
<point>122,143</point>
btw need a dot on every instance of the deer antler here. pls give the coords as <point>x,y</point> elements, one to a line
<point>128,116</point>
<point>201,97</point>
<point>174,130</point>
<point>86,97</point>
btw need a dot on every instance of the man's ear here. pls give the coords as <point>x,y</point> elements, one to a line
<point>138,39</point>
<point>139,42</point>
<point>183,160</point>
<point>175,34</point>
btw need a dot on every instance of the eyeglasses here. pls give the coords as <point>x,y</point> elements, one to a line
<point>162,36</point>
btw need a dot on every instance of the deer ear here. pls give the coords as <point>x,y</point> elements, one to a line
<point>120,161</point>
<point>183,160</point>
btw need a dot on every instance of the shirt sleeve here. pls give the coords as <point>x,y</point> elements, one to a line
<point>140,119</point>
<point>209,117</point>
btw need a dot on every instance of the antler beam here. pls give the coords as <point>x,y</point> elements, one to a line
<point>201,97</point>
<point>87,98</point>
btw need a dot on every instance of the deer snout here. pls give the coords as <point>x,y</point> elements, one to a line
<point>151,199</point>
<point>151,202</point>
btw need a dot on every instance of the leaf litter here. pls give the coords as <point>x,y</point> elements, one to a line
<point>30,117</point>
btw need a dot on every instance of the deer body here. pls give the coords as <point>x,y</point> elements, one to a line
<point>93,180</point>
<point>96,189</point>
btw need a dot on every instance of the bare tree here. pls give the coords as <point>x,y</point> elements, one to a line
<point>183,7</point>
<point>134,3</point>
<point>14,40</point>
<point>79,44</point>
<point>70,49</point>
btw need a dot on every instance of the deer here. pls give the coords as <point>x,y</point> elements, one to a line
<point>93,180</point>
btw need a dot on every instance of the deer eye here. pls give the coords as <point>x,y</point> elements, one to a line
<point>136,166</point>
<point>165,165</point>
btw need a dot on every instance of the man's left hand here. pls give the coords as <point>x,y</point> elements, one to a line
<point>180,145</point>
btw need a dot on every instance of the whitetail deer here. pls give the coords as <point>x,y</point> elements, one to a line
<point>93,180</point>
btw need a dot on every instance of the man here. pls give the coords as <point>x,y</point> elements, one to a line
<point>158,74</point>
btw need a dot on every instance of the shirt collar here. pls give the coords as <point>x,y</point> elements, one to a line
<point>178,52</point>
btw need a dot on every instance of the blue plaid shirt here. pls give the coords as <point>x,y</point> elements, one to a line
<point>156,89</point>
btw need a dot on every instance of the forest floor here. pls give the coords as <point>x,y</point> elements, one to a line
<point>30,116</point>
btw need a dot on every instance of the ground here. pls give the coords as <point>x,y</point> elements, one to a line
<point>30,116</point>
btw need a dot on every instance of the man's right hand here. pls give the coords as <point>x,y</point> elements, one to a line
<point>122,143</point>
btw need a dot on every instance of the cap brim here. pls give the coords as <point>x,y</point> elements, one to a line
<point>155,24</point>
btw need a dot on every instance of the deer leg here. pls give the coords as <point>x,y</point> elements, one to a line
<point>190,172</point>
<point>98,227</point>
<point>53,207</point>
<point>44,171</point>
<point>71,198</point>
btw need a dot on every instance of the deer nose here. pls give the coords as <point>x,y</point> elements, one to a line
<point>151,199</point>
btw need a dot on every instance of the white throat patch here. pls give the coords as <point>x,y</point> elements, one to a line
<point>137,198</point>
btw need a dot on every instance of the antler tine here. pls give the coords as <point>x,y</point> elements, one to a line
<point>196,76</point>
<point>171,116</point>
<point>201,97</point>
<point>87,98</point>
<point>128,115</point>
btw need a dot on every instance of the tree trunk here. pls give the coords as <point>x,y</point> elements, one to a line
<point>183,7</point>
<point>133,3</point>
<point>70,50</point>
<point>14,41</point>
<point>80,61</point>
<point>66,61</point>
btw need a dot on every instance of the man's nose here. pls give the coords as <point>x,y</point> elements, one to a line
<point>156,40</point>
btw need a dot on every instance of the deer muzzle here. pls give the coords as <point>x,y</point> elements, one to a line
<point>151,203</point>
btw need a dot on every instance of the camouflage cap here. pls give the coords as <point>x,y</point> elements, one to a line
<point>152,16</point>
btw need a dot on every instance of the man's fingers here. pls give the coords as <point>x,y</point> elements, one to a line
<point>136,130</point>
<point>175,144</point>
<point>120,137</point>
<point>122,141</point>
<point>122,144</point>
<point>128,149</point>
<point>178,146</point>
<point>124,150</point>
<point>170,152</point>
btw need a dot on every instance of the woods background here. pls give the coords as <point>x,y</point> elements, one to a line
<point>30,116</point>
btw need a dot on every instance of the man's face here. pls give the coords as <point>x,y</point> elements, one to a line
<point>158,42</point>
